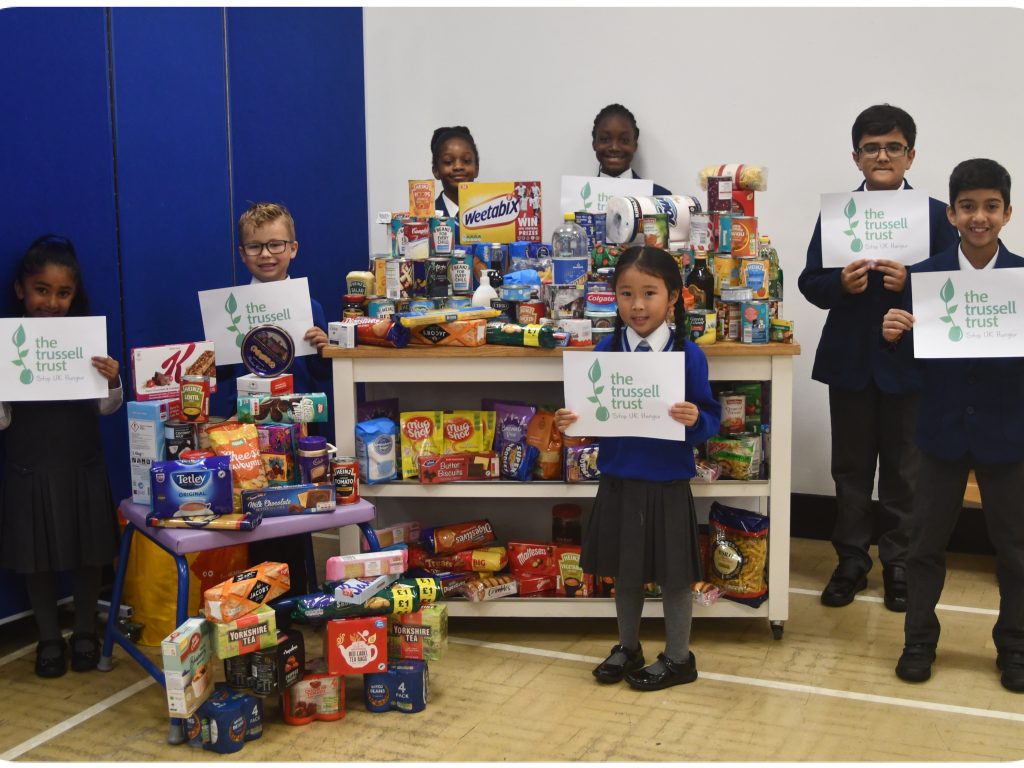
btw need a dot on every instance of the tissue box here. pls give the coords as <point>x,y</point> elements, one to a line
<point>185,654</point>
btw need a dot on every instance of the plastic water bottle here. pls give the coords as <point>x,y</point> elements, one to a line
<point>569,240</point>
<point>484,293</point>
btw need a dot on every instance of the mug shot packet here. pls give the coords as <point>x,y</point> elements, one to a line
<point>421,435</point>
<point>738,553</point>
<point>202,486</point>
<point>241,442</point>
<point>444,540</point>
<point>464,432</point>
<point>245,591</point>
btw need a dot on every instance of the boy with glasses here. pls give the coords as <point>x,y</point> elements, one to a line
<point>872,393</point>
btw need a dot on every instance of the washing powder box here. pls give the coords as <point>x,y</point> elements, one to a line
<point>287,500</point>
<point>253,631</point>
<point>157,371</point>
<point>185,654</point>
<point>251,384</point>
<point>499,212</point>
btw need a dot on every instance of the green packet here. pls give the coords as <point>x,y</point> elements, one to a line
<point>292,408</point>
<point>404,596</point>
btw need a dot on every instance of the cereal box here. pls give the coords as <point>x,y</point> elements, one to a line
<point>157,371</point>
<point>422,634</point>
<point>252,632</point>
<point>357,645</point>
<point>185,654</point>
<point>499,212</point>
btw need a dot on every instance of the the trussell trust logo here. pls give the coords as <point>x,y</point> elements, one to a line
<point>856,245</point>
<point>947,293</point>
<point>594,374</point>
<point>231,306</point>
<point>981,314</point>
<point>585,195</point>
<point>18,338</point>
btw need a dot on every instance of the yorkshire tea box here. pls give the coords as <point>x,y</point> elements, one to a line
<point>422,634</point>
<point>499,211</point>
<point>253,631</point>
<point>186,663</point>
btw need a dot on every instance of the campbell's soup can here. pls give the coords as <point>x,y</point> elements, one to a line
<point>734,412</point>
<point>345,471</point>
<point>754,322</point>
<point>744,236</point>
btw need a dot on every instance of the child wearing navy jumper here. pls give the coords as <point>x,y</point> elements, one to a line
<point>971,415</point>
<point>643,527</point>
<point>56,508</point>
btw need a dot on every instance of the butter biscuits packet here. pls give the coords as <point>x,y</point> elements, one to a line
<point>241,442</point>
<point>422,435</point>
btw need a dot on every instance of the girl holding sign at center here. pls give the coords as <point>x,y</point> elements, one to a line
<point>643,527</point>
<point>56,508</point>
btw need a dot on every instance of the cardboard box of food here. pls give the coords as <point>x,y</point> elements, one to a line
<point>146,443</point>
<point>246,591</point>
<point>291,408</point>
<point>357,645</point>
<point>251,384</point>
<point>499,211</point>
<point>251,632</point>
<point>285,500</point>
<point>422,634</point>
<point>185,654</point>
<point>392,562</point>
<point>453,467</point>
<point>157,371</point>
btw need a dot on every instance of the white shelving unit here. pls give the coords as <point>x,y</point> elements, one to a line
<point>426,366</point>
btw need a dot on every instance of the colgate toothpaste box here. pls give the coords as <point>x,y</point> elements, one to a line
<point>499,212</point>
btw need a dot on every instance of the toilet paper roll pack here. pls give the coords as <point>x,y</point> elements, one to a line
<point>624,224</point>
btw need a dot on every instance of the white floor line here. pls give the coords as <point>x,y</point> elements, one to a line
<point>15,655</point>
<point>873,599</point>
<point>772,684</point>
<point>15,752</point>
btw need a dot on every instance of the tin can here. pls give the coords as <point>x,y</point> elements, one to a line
<point>601,318</point>
<point>397,237</point>
<point>194,454</point>
<point>437,276</point>
<point>194,395</point>
<point>654,227</point>
<point>727,272</point>
<point>399,278</point>
<point>531,311</point>
<point>721,232</point>
<point>353,305</point>
<point>700,326</point>
<point>419,304</point>
<point>597,334</point>
<point>734,412</point>
<point>419,277</point>
<point>442,236</point>
<point>508,310</point>
<point>700,231</point>
<point>727,318</point>
<point>236,671</point>
<point>403,687</point>
<point>458,302</point>
<point>460,271</point>
<point>180,436</point>
<point>744,236</point>
<point>516,291</point>
<point>754,322</point>
<point>720,193</point>
<point>380,306</point>
<point>380,276</point>
<point>417,237</point>
<point>263,668</point>
<point>579,330</point>
<point>754,275</point>
<point>345,471</point>
<point>204,439</point>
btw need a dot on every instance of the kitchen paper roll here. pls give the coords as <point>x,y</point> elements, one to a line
<point>625,214</point>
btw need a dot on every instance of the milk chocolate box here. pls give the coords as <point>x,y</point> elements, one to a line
<point>287,500</point>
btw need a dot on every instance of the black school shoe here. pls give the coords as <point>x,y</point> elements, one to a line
<point>894,581</point>
<point>85,651</point>
<point>847,580</point>
<point>915,664</point>
<point>1012,666</point>
<point>606,672</point>
<point>676,673</point>
<point>51,666</point>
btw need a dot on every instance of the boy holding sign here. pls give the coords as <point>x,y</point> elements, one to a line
<point>872,394</point>
<point>971,416</point>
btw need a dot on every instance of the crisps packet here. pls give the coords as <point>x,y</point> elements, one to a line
<point>242,443</point>
<point>422,434</point>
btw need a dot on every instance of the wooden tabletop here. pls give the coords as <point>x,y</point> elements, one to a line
<point>720,348</point>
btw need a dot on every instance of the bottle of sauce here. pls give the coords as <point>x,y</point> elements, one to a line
<point>701,282</point>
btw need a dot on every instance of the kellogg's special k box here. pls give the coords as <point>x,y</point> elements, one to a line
<point>499,211</point>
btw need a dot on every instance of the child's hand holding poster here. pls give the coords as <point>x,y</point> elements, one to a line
<point>229,314</point>
<point>624,395</point>
<point>51,358</point>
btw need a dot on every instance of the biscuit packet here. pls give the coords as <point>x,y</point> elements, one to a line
<point>543,435</point>
<point>463,432</point>
<point>246,591</point>
<point>422,435</point>
<point>241,443</point>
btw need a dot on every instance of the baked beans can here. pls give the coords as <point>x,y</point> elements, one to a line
<point>195,398</point>
<point>397,238</point>
<point>437,276</point>
<point>531,311</point>
<point>236,671</point>
<point>734,412</point>
<point>720,193</point>
<point>700,326</point>
<point>345,472</point>
<point>180,436</point>
<point>754,275</point>
<point>442,236</point>
<point>744,236</point>
<point>754,322</point>
<point>460,272</point>
<point>380,306</point>
<point>654,227</point>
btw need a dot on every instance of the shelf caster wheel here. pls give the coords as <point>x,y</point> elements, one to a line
<point>176,732</point>
<point>106,664</point>
<point>776,630</point>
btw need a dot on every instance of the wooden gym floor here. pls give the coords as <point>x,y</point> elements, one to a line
<point>521,690</point>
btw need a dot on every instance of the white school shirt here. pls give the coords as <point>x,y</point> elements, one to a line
<point>966,266</point>
<point>657,339</point>
<point>451,205</point>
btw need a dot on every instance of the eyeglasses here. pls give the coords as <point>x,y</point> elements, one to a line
<point>892,149</point>
<point>274,247</point>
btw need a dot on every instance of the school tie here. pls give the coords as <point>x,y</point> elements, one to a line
<point>643,346</point>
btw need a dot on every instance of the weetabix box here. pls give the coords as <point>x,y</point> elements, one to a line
<point>499,212</point>
<point>185,654</point>
<point>252,632</point>
<point>422,634</point>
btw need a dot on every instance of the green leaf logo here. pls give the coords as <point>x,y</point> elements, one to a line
<point>947,293</point>
<point>231,306</point>
<point>594,374</point>
<point>585,194</point>
<point>849,212</point>
<point>26,376</point>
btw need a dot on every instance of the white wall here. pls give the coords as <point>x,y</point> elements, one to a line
<point>775,87</point>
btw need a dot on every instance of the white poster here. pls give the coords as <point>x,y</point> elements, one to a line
<point>51,358</point>
<point>874,225</point>
<point>624,394</point>
<point>979,313</point>
<point>229,314</point>
<point>591,193</point>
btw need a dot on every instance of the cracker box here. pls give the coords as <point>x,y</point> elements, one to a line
<point>458,333</point>
<point>459,466</point>
<point>499,212</point>
<point>287,500</point>
<point>392,562</point>
<point>292,408</point>
<point>422,634</point>
<point>246,591</point>
<point>253,631</point>
<point>185,654</point>
<point>146,443</point>
<point>357,645</point>
<point>157,371</point>
<point>251,384</point>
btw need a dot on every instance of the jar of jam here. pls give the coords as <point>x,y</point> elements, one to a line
<point>353,305</point>
<point>566,526</point>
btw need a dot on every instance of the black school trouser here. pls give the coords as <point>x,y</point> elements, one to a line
<point>937,505</point>
<point>872,428</point>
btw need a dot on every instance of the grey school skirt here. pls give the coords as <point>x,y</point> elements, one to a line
<point>642,531</point>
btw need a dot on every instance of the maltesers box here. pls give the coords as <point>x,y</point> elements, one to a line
<point>253,631</point>
<point>251,384</point>
<point>357,645</point>
<point>499,212</point>
<point>185,654</point>
<point>422,634</point>
<point>532,558</point>
<point>157,371</point>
